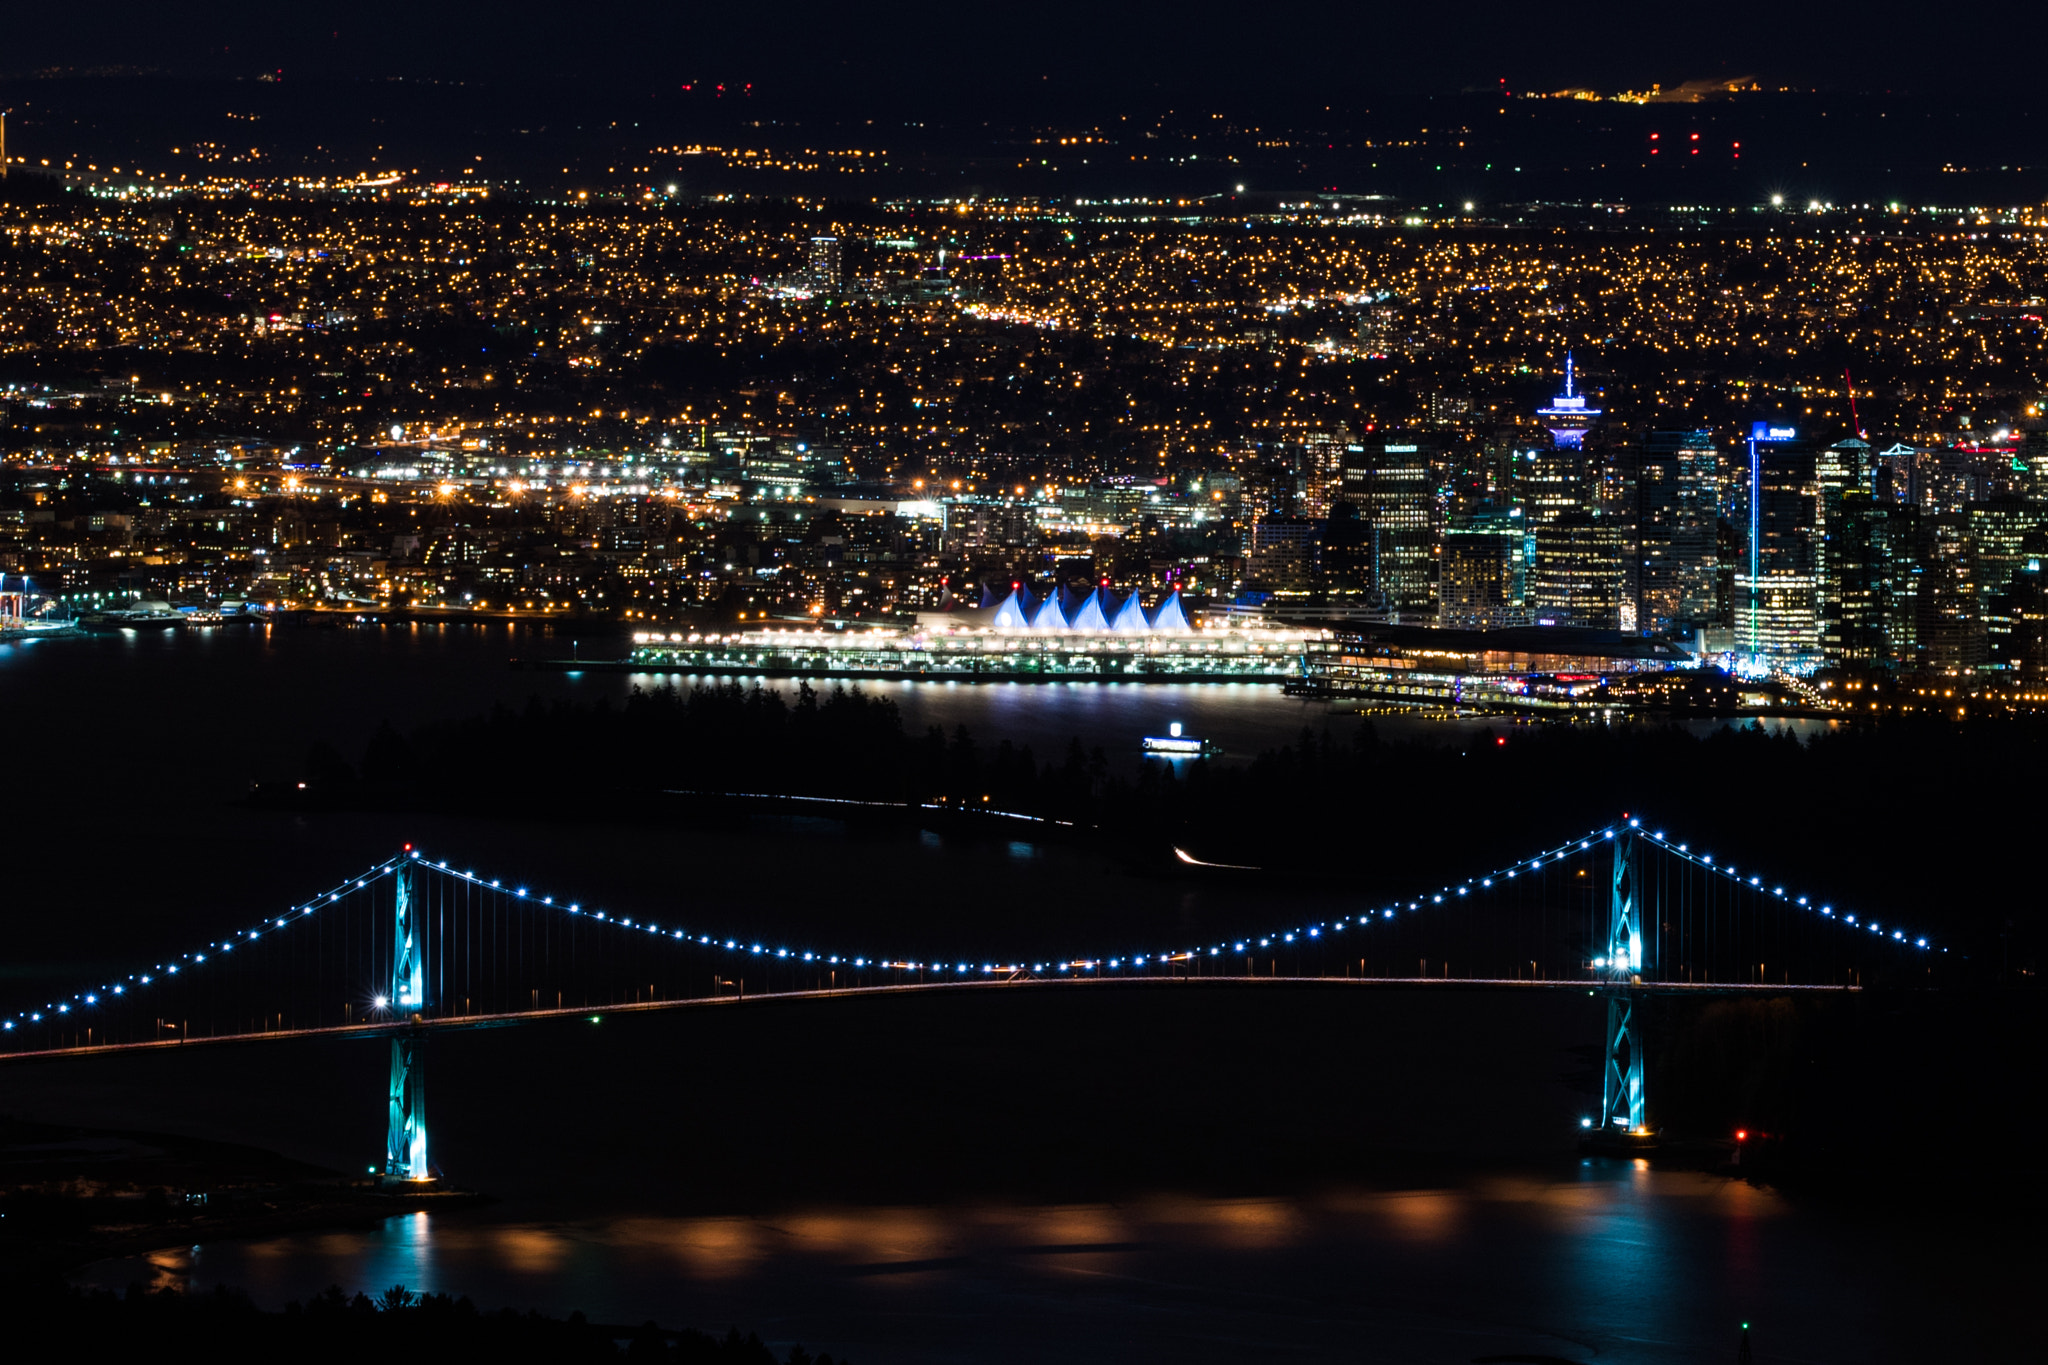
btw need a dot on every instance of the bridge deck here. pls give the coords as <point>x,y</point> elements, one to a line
<point>451,1023</point>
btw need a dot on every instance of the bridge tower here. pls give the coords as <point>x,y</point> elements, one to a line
<point>405,1143</point>
<point>1622,1098</point>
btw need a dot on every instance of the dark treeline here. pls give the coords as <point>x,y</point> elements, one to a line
<point>225,1326</point>
<point>1929,823</point>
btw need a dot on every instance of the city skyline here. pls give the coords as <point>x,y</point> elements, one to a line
<point>1135,683</point>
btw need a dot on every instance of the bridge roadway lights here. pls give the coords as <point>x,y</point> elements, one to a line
<point>405,1141</point>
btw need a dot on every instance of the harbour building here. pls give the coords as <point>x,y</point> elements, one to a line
<point>1091,637</point>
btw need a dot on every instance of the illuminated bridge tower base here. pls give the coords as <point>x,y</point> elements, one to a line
<point>1622,1100</point>
<point>405,1143</point>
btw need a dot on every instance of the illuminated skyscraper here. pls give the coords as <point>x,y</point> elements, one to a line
<point>1481,577</point>
<point>1777,612</point>
<point>1872,617</point>
<point>1576,579</point>
<point>827,266</point>
<point>1676,558</point>
<point>1322,470</point>
<point>1951,625</point>
<point>1568,416</point>
<point>1283,554</point>
<point>1392,482</point>
<point>1999,531</point>
<point>1552,482</point>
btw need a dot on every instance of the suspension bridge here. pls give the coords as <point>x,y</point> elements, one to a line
<point>414,946</point>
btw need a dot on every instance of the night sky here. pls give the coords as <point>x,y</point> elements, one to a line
<point>951,58</point>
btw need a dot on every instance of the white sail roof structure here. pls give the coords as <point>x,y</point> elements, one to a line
<point>1097,613</point>
<point>1016,610</point>
<point>1171,615</point>
<point>1088,616</point>
<point>1130,618</point>
<point>1049,616</point>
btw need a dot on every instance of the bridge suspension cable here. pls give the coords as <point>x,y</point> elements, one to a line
<point>475,945</point>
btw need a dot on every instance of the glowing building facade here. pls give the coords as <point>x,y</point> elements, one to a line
<point>1777,600</point>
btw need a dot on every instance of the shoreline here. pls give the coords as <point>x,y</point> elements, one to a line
<point>76,1195</point>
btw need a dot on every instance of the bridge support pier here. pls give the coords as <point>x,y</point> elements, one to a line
<point>1621,1104</point>
<point>405,1139</point>
<point>405,1142</point>
<point>1622,1101</point>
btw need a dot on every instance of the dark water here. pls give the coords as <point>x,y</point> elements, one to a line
<point>1139,1174</point>
<point>132,750</point>
<point>1596,1261</point>
<point>1121,1176</point>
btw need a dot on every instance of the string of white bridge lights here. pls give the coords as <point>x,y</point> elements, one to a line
<point>1706,861</point>
<point>186,961</point>
<point>1559,853</point>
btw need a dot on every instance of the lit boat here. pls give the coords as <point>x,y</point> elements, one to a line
<point>1174,744</point>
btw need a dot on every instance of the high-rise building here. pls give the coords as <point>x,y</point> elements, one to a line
<point>827,267</point>
<point>1482,581</point>
<point>1322,470</point>
<point>1568,417</point>
<point>1570,540</point>
<point>1951,622</point>
<point>1283,554</point>
<point>1576,577</point>
<point>1999,530</point>
<point>1898,473</point>
<point>2032,460</point>
<point>1392,482</point>
<point>1776,592</point>
<point>1550,482</point>
<point>1872,560</point>
<point>2016,624</point>
<point>1677,507</point>
<point>1839,470</point>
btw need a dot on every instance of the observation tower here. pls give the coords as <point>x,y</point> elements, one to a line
<point>1568,417</point>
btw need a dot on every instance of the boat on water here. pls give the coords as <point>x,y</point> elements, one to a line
<point>132,620</point>
<point>1174,744</point>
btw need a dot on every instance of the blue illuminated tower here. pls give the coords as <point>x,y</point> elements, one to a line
<point>405,1142</point>
<point>1621,1103</point>
<point>1568,417</point>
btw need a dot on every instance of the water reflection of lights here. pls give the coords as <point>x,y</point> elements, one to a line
<point>1424,1215</point>
<point>534,1251</point>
